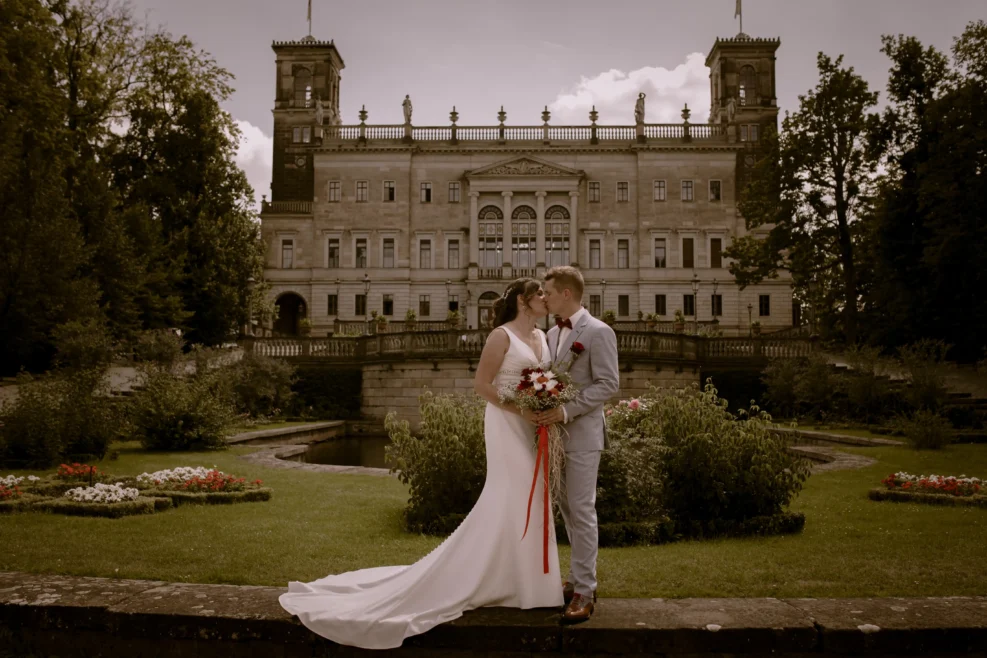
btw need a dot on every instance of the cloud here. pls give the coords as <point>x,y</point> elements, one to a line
<point>254,155</point>
<point>614,93</point>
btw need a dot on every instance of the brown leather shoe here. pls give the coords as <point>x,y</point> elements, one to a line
<point>580,609</point>
<point>568,589</point>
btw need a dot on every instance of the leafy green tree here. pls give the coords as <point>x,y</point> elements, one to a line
<point>804,204</point>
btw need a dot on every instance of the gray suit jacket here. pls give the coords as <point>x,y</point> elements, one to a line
<point>595,374</point>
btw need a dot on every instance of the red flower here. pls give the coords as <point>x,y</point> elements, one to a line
<point>577,348</point>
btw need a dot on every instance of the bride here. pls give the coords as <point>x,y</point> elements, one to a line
<point>485,562</point>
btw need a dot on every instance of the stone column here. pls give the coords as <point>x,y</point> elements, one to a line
<point>507,226</point>
<point>573,231</point>
<point>540,230</point>
<point>474,229</point>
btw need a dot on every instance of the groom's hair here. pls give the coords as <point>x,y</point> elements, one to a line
<point>566,276</point>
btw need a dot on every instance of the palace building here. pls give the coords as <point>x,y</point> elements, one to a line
<point>388,218</point>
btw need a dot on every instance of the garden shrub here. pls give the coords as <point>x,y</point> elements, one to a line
<point>260,385</point>
<point>83,345</point>
<point>817,388</point>
<point>57,418</point>
<point>870,395</point>
<point>927,430</point>
<point>160,348</point>
<point>923,362</point>
<point>444,465</point>
<point>176,413</point>
<point>780,378</point>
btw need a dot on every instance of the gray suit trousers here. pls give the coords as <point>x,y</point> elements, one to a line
<point>578,507</point>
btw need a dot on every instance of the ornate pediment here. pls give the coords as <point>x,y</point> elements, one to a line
<point>525,166</point>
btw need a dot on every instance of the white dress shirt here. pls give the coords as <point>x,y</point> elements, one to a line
<point>563,335</point>
<point>565,331</point>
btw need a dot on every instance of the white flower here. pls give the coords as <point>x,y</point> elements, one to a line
<point>180,474</point>
<point>102,493</point>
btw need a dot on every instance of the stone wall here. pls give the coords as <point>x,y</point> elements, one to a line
<point>396,387</point>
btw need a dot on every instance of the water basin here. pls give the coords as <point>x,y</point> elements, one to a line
<point>348,451</point>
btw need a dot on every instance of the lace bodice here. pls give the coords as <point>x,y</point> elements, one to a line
<point>519,356</point>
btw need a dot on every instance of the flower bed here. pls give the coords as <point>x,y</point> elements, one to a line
<point>931,490</point>
<point>102,493</point>
<point>935,484</point>
<point>202,486</point>
<point>79,473</point>
<point>140,505</point>
<point>22,502</point>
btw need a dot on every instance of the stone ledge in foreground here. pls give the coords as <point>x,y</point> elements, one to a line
<point>76,616</point>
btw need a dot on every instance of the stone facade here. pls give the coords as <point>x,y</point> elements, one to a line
<point>437,218</point>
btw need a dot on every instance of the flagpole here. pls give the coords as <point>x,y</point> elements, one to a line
<point>310,18</point>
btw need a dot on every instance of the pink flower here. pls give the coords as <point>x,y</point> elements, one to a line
<point>634,404</point>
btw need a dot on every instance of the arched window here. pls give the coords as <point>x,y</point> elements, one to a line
<point>524,230</point>
<point>556,236</point>
<point>303,88</point>
<point>491,238</point>
<point>748,86</point>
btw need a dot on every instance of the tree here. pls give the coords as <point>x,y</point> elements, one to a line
<point>42,251</point>
<point>803,206</point>
<point>929,228</point>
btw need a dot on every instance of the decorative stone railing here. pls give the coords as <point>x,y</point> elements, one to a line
<point>392,327</point>
<point>469,343</point>
<point>286,207</point>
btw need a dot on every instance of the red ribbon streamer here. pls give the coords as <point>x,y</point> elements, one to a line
<point>540,459</point>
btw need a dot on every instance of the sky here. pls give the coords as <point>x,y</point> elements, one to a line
<point>527,54</point>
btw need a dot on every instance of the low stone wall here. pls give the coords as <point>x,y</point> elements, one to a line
<point>396,386</point>
<point>73,617</point>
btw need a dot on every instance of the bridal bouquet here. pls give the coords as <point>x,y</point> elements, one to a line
<point>541,390</point>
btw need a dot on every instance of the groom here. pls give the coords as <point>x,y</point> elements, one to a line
<point>591,347</point>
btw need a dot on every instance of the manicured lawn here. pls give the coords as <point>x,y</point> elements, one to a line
<point>319,524</point>
<point>867,434</point>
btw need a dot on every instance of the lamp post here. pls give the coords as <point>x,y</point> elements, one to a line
<point>750,320</point>
<point>695,300</point>
<point>469,300</point>
<point>448,295</point>
<point>251,283</point>
<point>813,286</point>
<point>366,303</point>
<point>712,301</point>
<point>603,297</point>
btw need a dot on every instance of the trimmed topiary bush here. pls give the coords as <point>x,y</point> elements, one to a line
<point>176,413</point>
<point>927,430</point>
<point>260,385</point>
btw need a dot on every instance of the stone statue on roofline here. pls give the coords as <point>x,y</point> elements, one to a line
<point>406,105</point>
<point>320,110</point>
<point>639,109</point>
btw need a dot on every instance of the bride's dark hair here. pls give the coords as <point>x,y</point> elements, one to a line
<point>505,308</point>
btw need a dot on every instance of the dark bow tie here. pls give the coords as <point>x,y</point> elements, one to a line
<point>559,322</point>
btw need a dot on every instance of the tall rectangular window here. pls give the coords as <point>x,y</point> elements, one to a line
<point>717,304</point>
<point>361,253</point>
<point>360,305</point>
<point>623,254</point>
<point>425,193</point>
<point>715,191</point>
<point>301,134</point>
<point>334,191</point>
<point>491,244</point>
<point>332,255</point>
<point>332,305</point>
<point>390,191</point>
<point>594,254</point>
<point>453,255</point>
<point>362,191</point>
<point>454,190</point>
<point>388,306</point>
<point>594,191</point>
<point>660,192</point>
<point>688,253</point>
<point>623,191</point>
<point>287,254</point>
<point>453,302</point>
<point>687,190</point>
<point>623,305</point>
<point>388,252</point>
<point>716,253</point>
<point>660,304</point>
<point>594,305</point>
<point>688,305</point>
<point>424,306</point>
<point>424,254</point>
<point>764,305</point>
<point>661,253</point>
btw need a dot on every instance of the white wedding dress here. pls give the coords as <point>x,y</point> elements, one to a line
<point>483,563</point>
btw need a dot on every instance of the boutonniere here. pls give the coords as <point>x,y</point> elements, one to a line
<point>576,349</point>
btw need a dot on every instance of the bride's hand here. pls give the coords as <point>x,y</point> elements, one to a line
<point>528,415</point>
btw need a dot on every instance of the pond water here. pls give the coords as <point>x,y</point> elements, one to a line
<point>349,451</point>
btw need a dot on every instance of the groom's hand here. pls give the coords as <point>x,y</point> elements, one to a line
<point>549,417</point>
<point>529,415</point>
